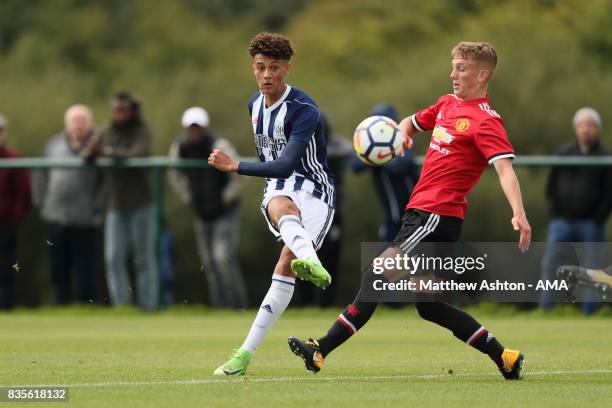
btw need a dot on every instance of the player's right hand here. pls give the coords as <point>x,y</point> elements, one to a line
<point>222,162</point>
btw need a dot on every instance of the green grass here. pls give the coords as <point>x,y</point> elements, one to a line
<point>125,358</point>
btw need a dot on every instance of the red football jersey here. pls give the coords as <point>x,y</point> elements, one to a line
<point>466,136</point>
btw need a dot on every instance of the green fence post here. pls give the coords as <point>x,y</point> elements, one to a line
<point>158,180</point>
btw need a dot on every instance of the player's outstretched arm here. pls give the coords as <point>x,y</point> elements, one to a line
<point>282,167</point>
<point>407,130</point>
<point>512,190</point>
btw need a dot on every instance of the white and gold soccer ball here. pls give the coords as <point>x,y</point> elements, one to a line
<point>377,140</point>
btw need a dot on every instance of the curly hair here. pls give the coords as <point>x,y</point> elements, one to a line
<point>479,51</point>
<point>271,45</point>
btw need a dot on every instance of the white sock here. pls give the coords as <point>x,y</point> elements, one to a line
<point>274,304</point>
<point>296,238</point>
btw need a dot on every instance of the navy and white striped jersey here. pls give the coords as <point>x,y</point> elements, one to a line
<point>295,116</point>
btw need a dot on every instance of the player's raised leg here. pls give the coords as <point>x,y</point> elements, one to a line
<point>283,212</point>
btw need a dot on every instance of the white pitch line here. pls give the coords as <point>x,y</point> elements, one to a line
<point>300,379</point>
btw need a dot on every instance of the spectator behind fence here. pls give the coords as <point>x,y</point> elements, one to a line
<point>14,206</point>
<point>130,214</point>
<point>393,183</point>
<point>71,204</point>
<point>214,197</point>
<point>579,200</point>
<point>339,152</point>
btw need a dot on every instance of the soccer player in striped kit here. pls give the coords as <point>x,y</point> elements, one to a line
<point>299,194</point>
<point>467,136</point>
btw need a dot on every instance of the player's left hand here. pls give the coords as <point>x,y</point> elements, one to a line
<point>408,142</point>
<point>404,128</point>
<point>520,223</point>
<point>222,161</point>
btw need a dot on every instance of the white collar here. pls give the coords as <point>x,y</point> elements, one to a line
<point>277,103</point>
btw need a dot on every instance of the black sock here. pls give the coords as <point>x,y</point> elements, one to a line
<point>353,318</point>
<point>463,326</point>
<point>336,335</point>
<point>488,344</point>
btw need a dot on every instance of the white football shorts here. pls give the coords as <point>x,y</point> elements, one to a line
<point>316,215</point>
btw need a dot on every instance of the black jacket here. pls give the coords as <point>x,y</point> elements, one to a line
<point>206,185</point>
<point>580,192</point>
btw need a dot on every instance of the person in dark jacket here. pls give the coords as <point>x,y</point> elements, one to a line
<point>393,183</point>
<point>15,203</point>
<point>130,214</point>
<point>579,201</point>
<point>215,199</point>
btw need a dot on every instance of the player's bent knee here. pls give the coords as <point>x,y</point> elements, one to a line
<point>280,206</point>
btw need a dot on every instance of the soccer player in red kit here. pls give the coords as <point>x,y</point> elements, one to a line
<point>467,136</point>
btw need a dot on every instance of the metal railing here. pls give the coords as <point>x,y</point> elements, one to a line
<point>159,164</point>
<point>166,162</point>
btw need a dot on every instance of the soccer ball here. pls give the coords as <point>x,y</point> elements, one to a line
<point>377,140</point>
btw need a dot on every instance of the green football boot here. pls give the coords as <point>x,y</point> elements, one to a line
<point>312,271</point>
<point>236,365</point>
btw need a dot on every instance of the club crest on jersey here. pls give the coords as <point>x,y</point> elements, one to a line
<point>462,125</point>
<point>440,135</point>
<point>279,130</point>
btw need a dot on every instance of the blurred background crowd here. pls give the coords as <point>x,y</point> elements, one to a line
<point>87,235</point>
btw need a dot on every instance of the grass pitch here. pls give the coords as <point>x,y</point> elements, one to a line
<point>124,358</point>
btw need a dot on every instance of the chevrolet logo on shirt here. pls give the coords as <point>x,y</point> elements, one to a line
<point>441,135</point>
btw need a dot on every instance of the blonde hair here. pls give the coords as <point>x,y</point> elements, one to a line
<point>478,51</point>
